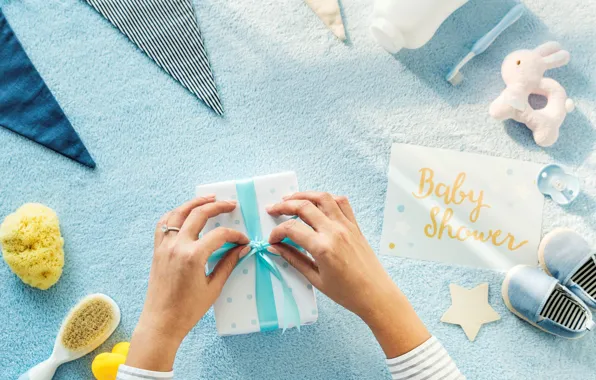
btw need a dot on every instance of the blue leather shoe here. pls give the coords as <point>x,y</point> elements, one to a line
<point>568,257</point>
<point>541,301</point>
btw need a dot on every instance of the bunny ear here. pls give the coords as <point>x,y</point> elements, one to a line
<point>549,48</point>
<point>560,58</point>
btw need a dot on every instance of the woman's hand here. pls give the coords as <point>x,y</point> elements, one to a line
<point>179,291</point>
<point>345,268</point>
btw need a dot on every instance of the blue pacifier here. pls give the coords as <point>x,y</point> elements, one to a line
<point>563,188</point>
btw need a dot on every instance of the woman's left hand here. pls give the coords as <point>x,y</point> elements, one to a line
<point>179,291</point>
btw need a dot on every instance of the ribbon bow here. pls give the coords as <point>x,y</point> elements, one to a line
<point>265,266</point>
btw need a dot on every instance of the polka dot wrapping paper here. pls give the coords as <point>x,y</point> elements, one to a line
<point>236,308</point>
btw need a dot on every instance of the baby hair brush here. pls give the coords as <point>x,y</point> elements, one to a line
<point>86,327</point>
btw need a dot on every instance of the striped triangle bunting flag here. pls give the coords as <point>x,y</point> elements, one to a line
<point>167,31</point>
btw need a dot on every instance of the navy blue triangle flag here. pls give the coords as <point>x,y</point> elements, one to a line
<point>27,106</point>
<point>168,32</point>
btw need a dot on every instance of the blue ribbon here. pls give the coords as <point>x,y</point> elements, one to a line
<point>265,266</point>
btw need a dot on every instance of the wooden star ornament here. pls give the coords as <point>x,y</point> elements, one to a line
<point>470,309</point>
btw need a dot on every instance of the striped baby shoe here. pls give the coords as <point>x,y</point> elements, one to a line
<point>543,302</point>
<point>568,257</point>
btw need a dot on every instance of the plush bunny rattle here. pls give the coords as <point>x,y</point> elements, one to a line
<point>523,73</point>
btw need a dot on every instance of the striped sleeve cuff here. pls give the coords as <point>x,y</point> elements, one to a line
<point>429,361</point>
<point>129,373</point>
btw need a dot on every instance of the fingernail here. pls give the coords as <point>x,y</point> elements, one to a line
<point>233,202</point>
<point>210,196</point>
<point>273,250</point>
<point>286,197</point>
<point>268,208</point>
<point>244,252</point>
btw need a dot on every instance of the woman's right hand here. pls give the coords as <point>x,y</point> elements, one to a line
<point>345,268</point>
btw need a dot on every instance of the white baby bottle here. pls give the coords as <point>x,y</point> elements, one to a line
<point>409,24</point>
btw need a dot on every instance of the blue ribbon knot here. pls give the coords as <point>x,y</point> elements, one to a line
<point>265,266</point>
<point>260,246</point>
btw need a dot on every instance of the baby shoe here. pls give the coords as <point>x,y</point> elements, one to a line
<point>540,300</point>
<point>566,256</point>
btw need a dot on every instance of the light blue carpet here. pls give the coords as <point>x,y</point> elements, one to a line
<point>295,99</point>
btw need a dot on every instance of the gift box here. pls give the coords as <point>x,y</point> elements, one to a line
<point>264,292</point>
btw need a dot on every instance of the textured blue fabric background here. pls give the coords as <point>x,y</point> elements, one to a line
<point>295,99</point>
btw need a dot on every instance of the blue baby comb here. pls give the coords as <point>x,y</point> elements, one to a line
<point>455,76</point>
<point>553,181</point>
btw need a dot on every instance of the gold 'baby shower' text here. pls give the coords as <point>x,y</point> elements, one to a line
<point>453,194</point>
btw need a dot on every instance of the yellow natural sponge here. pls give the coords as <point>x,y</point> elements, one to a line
<point>32,245</point>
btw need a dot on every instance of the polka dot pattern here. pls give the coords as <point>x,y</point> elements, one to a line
<point>391,245</point>
<point>401,208</point>
<point>242,298</point>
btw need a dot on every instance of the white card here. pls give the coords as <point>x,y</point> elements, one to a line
<point>236,309</point>
<point>461,208</point>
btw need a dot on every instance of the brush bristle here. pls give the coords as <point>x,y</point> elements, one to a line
<point>456,79</point>
<point>87,323</point>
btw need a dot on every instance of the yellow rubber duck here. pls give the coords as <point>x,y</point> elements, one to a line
<point>105,365</point>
